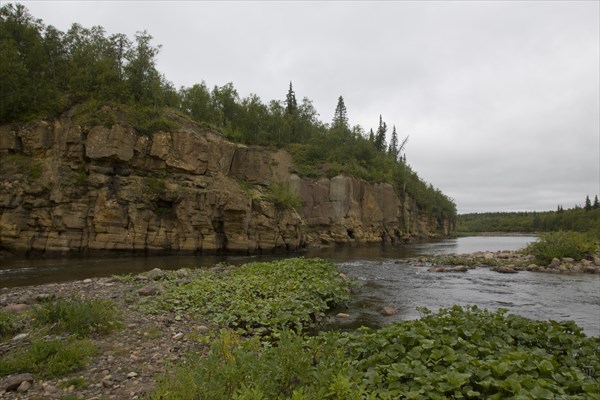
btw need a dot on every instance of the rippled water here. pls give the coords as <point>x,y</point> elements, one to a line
<point>405,287</point>
<point>385,279</point>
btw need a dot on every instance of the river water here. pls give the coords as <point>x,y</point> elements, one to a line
<point>385,278</point>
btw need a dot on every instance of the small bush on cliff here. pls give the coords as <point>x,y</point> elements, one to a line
<point>284,197</point>
<point>562,244</point>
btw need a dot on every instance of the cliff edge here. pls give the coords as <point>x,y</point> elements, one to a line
<point>68,189</point>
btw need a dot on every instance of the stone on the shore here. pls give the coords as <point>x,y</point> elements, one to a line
<point>24,386</point>
<point>342,315</point>
<point>533,268</point>
<point>388,311</point>
<point>567,259</point>
<point>202,329</point>
<point>597,260</point>
<point>178,336</point>
<point>459,268</point>
<point>13,382</point>
<point>17,308</point>
<point>19,337</point>
<point>155,274</point>
<point>132,374</point>
<point>554,263</point>
<point>45,297</point>
<point>436,269</point>
<point>149,290</point>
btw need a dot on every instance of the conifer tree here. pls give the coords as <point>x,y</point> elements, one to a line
<point>393,147</point>
<point>291,106</point>
<point>596,204</point>
<point>588,203</point>
<point>380,136</point>
<point>340,116</point>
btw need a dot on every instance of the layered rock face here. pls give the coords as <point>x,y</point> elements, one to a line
<point>68,189</point>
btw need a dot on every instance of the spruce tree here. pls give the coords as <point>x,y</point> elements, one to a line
<point>588,203</point>
<point>393,147</point>
<point>340,116</point>
<point>290,101</point>
<point>596,204</point>
<point>380,136</point>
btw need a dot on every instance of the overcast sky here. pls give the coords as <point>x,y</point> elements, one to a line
<point>501,100</point>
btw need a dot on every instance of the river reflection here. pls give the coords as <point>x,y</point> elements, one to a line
<point>385,277</point>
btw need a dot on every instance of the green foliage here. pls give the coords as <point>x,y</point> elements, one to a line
<point>465,353</point>
<point>112,79</point>
<point>78,317</point>
<point>10,324</point>
<point>575,219</point>
<point>562,244</point>
<point>155,185</point>
<point>48,358</point>
<point>260,297</point>
<point>283,196</point>
<point>19,163</point>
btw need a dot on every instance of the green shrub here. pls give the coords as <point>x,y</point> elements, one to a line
<point>48,358</point>
<point>283,196</point>
<point>155,185</point>
<point>562,244</point>
<point>79,317</point>
<point>10,324</point>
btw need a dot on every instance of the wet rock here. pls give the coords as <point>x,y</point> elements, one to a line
<point>388,311</point>
<point>437,269</point>
<point>554,263</point>
<point>505,269</point>
<point>533,268</point>
<point>459,268</point>
<point>17,308</point>
<point>13,382</point>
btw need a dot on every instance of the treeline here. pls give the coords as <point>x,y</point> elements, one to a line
<point>580,219</point>
<point>109,78</point>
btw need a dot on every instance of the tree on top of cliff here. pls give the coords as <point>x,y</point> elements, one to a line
<point>291,106</point>
<point>380,135</point>
<point>340,116</point>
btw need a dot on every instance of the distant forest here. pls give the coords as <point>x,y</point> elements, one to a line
<point>104,79</point>
<point>580,219</point>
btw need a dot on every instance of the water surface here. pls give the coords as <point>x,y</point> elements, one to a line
<point>385,278</point>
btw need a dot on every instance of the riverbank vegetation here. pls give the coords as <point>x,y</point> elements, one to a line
<point>101,79</point>
<point>59,336</point>
<point>464,353</point>
<point>562,244</point>
<point>579,219</point>
<point>252,332</point>
<point>257,298</point>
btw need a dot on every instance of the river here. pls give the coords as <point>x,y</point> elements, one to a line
<point>384,279</point>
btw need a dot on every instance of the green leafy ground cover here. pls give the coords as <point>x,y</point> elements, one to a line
<point>460,353</point>
<point>259,297</point>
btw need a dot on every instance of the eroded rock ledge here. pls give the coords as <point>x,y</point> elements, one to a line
<point>69,189</point>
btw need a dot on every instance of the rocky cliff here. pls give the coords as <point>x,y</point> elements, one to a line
<point>65,188</point>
